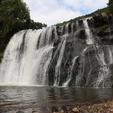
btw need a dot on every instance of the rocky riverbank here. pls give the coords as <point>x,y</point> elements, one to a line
<point>96,108</point>
<point>106,107</point>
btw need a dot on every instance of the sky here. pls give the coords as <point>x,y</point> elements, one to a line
<point>52,12</point>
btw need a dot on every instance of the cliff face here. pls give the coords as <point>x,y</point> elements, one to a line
<point>102,26</point>
<point>91,51</point>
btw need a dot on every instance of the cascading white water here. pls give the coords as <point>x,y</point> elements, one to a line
<point>110,54</point>
<point>69,78</point>
<point>58,66</point>
<point>101,56</point>
<point>90,39</point>
<point>26,66</point>
<point>104,70</point>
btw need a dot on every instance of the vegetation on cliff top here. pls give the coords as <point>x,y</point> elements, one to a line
<point>110,4</point>
<point>99,11</point>
<point>107,10</point>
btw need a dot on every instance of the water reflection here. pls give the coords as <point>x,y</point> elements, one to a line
<point>48,99</point>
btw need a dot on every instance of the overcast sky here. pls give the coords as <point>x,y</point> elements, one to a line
<point>56,11</point>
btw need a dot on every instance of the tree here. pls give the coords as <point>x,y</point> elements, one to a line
<point>110,4</point>
<point>14,13</point>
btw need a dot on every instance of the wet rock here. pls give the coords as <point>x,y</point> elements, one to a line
<point>80,23</point>
<point>69,28</point>
<point>82,34</point>
<point>59,30</point>
<point>99,20</point>
<point>62,111</point>
<point>75,110</point>
<point>74,27</point>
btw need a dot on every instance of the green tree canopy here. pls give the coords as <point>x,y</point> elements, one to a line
<point>14,16</point>
<point>14,13</point>
<point>110,4</point>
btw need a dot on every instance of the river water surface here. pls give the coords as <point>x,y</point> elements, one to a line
<point>48,99</point>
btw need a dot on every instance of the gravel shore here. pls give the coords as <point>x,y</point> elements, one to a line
<point>106,107</point>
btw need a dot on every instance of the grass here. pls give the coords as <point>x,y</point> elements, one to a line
<point>99,11</point>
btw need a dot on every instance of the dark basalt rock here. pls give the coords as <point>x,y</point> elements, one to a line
<point>80,23</point>
<point>99,20</point>
<point>82,34</point>
<point>63,30</point>
<point>102,27</point>
<point>90,22</point>
<point>69,28</point>
<point>74,27</point>
<point>53,36</point>
<point>59,30</point>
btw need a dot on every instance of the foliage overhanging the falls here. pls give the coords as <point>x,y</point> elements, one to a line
<point>110,4</point>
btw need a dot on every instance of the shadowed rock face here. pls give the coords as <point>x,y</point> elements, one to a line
<point>102,26</point>
<point>70,55</point>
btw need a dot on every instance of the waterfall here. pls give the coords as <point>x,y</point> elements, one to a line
<point>57,56</point>
<point>104,70</point>
<point>58,66</point>
<point>110,54</point>
<point>90,39</point>
<point>69,78</point>
<point>23,63</point>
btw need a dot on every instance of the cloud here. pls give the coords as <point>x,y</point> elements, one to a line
<point>56,11</point>
<point>88,5</point>
<point>56,16</point>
